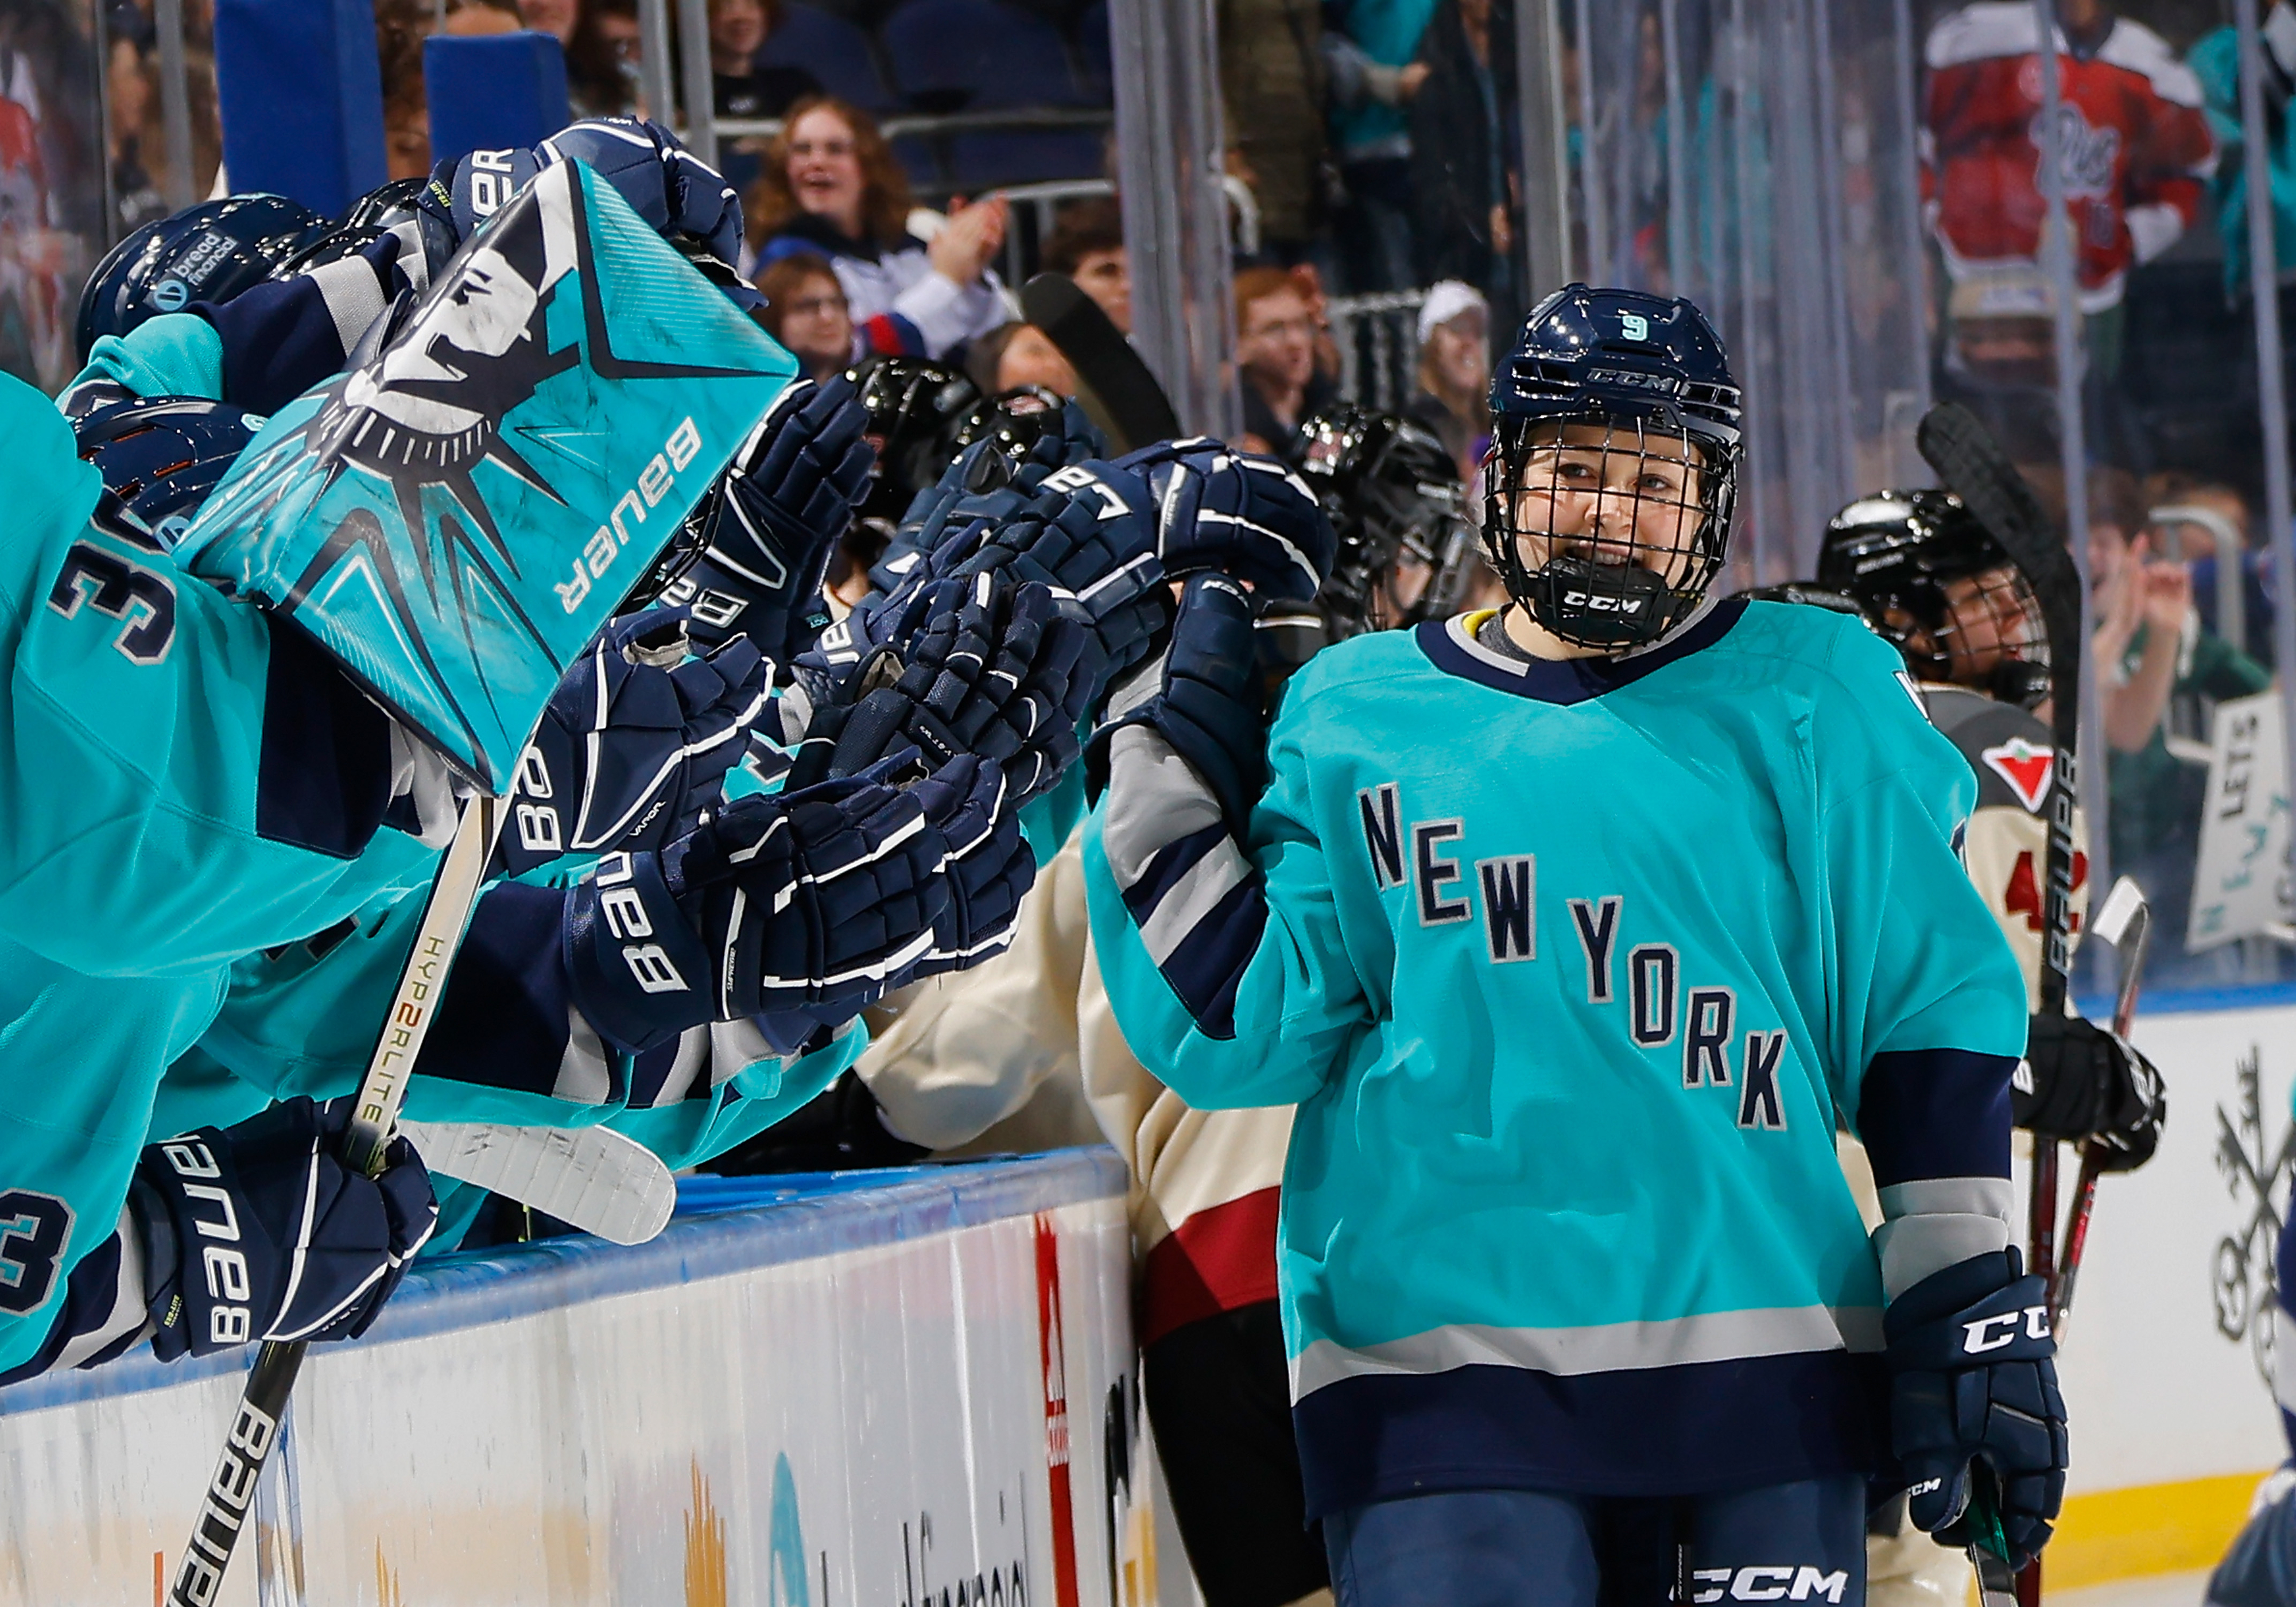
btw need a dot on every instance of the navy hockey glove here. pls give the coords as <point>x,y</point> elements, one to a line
<point>981,486</point>
<point>1237,512</point>
<point>988,866</point>
<point>994,672</point>
<point>769,526</point>
<point>1973,1380</point>
<point>259,1232</point>
<point>823,896</point>
<point>2080,1080</point>
<point>664,183</point>
<point>634,744</point>
<point>1202,696</point>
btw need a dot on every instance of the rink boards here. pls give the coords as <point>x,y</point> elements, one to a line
<point>917,1394</point>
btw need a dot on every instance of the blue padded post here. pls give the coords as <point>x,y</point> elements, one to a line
<point>490,91</point>
<point>299,88</point>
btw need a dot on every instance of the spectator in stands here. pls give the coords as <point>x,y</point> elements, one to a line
<point>556,18</point>
<point>1087,245</point>
<point>831,186</point>
<point>400,27</point>
<point>2134,145</point>
<point>1272,91</point>
<point>1455,372</point>
<point>806,311</point>
<point>469,17</point>
<point>1369,62</point>
<point>1016,355</point>
<point>602,63</point>
<point>2190,516</point>
<point>1460,185</point>
<point>1275,329</point>
<point>740,85</point>
<point>2162,674</point>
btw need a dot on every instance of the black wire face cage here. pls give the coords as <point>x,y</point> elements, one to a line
<point>1610,539</point>
<point>1981,629</point>
<point>1406,559</point>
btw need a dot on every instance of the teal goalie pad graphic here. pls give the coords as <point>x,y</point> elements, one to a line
<point>456,518</point>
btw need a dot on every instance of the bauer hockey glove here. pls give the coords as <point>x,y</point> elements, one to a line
<point>1238,513</point>
<point>994,673</point>
<point>769,526</point>
<point>2080,1080</point>
<point>1973,1379</point>
<point>634,743</point>
<point>259,1232</point>
<point>663,182</point>
<point>1203,695</point>
<point>988,867</point>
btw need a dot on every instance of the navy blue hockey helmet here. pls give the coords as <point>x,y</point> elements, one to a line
<point>374,215</point>
<point>161,456</point>
<point>209,252</point>
<point>1613,466</point>
<point>1935,582</point>
<point>1406,545</point>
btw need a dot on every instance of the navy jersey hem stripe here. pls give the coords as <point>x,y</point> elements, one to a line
<point>1566,681</point>
<point>1652,1431</point>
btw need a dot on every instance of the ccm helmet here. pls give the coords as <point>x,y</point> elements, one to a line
<point>1933,580</point>
<point>1405,545</point>
<point>209,252</point>
<point>1613,466</point>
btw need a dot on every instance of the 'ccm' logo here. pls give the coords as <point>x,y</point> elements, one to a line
<point>1781,1583</point>
<point>654,483</point>
<point>1991,1333</point>
<point>1605,605</point>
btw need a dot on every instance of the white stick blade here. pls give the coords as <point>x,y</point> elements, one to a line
<point>2124,910</point>
<point>593,1179</point>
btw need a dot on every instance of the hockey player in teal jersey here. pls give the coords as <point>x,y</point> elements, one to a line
<point>1574,930</point>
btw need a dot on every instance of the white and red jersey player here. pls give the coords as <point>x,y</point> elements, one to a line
<point>2135,147</point>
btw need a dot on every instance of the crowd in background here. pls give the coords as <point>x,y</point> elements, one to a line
<point>1378,146</point>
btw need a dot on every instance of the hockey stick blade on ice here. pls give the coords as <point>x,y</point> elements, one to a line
<point>1122,395</point>
<point>413,1004</point>
<point>593,1179</point>
<point>2126,921</point>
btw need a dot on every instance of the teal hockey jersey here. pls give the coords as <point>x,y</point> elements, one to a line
<point>1572,970</point>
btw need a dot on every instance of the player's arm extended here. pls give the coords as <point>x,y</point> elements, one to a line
<point>1220,946</point>
<point>1929,1009</point>
<point>184,784</point>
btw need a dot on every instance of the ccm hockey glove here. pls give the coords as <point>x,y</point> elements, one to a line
<point>2080,1080</point>
<point>769,526</point>
<point>824,895</point>
<point>1203,697</point>
<point>1973,1379</point>
<point>995,673</point>
<point>259,1232</point>
<point>634,743</point>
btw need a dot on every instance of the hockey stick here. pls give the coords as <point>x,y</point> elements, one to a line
<point>255,1428</point>
<point>2126,921</point>
<point>592,1178</point>
<point>1120,395</point>
<point>1971,466</point>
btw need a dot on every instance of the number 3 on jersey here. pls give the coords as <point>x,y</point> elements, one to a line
<point>33,1231</point>
<point>143,602</point>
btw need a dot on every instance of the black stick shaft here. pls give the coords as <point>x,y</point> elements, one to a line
<point>230,1504</point>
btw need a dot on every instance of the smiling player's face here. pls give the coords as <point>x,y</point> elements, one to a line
<point>1610,495</point>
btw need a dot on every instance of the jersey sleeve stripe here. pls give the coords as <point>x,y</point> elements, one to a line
<point>1935,1113</point>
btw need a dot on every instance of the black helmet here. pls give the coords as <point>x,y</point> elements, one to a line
<point>1624,361</point>
<point>1016,420</point>
<point>161,456</point>
<point>209,252</point>
<point>1934,581</point>
<point>372,215</point>
<point>1394,497</point>
<point>915,409</point>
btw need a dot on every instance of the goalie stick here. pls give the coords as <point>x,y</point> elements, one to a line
<point>592,1178</point>
<point>1971,465</point>
<point>413,1004</point>
<point>2126,921</point>
<point>1122,396</point>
